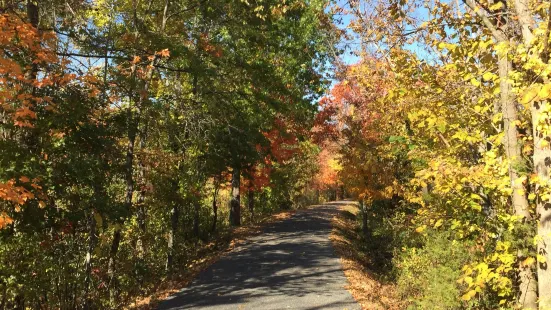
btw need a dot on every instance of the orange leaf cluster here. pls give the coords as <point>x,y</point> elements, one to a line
<point>5,220</point>
<point>20,40</point>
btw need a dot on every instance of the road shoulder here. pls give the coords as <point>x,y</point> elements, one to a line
<point>369,291</point>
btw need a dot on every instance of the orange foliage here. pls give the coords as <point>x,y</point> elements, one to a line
<point>20,40</point>
<point>327,176</point>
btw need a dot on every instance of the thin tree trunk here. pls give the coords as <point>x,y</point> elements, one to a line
<point>317,196</point>
<point>363,210</point>
<point>88,260</point>
<point>174,214</point>
<point>235,202</point>
<point>542,161</point>
<point>4,296</point>
<point>140,247</point>
<point>111,265</point>
<point>250,201</point>
<point>216,182</point>
<point>129,168</point>
<point>541,158</point>
<point>133,128</point>
<point>527,280</point>
<point>31,140</point>
<point>215,211</point>
<point>33,16</point>
<point>196,207</point>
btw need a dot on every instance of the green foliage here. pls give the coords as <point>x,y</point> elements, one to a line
<point>119,131</point>
<point>427,275</point>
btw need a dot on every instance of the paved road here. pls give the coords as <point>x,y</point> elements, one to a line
<point>291,265</point>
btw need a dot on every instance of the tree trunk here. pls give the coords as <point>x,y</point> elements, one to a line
<point>363,210</point>
<point>214,203</point>
<point>527,280</point>
<point>317,196</point>
<point>174,213</point>
<point>111,265</point>
<point>235,202</point>
<point>88,260</point>
<point>215,215</point>
<point>129,170</point>
<point>542,160</point>
<point>3,302</point>
<point>250,201</point>
<point>196,207</point>
<point>140,246</point>
<point>34,17</point>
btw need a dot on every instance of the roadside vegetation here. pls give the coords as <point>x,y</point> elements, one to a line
<point>440,130</point>
<point>136,135</point>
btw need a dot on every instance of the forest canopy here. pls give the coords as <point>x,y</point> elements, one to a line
<point>135,136</point>
<point>131,132</point>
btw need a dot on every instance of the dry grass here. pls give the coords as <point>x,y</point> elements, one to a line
<point>367,289</point>
<point>208,255</point>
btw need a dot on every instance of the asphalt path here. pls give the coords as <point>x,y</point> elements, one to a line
<point>291,265</point>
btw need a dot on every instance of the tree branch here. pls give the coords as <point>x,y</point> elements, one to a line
<point>496,33</point>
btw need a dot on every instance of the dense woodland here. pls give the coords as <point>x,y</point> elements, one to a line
<point>134,133</point>
<point>441,132</point>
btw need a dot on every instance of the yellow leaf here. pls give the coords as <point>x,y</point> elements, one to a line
<point>470,294</point>
<point>496,6</point>
<point>488,75</point>
<point>545,91</point>
<point>528,262</point>
<point>529,95</point>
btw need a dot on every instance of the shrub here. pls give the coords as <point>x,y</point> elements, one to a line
<point>427,276</point>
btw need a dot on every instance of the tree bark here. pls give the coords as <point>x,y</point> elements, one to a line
<point>111,265</point>
<point>317,196</point>
<point>140,246</point>
<point>174,214</point>
<point>88,261</point>
<point>541,158</point>
<point>363,210</point>
<point>527,280</point>
<point>196,207</point>
<point>250,201</point>
<point>235,202</point>
<point>215,213</point>
<point>542,161</point>
<point>214,202</point>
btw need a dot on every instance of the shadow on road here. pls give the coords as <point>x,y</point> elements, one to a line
<point>292,265</point>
